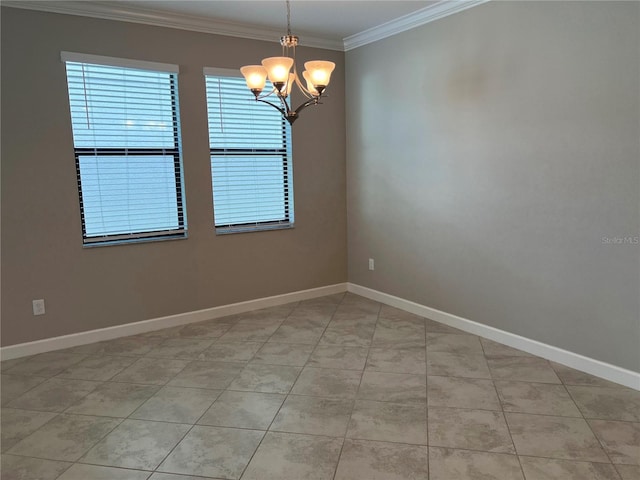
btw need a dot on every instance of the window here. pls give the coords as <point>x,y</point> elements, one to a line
<point>250,147</point>
<point>126,135</point>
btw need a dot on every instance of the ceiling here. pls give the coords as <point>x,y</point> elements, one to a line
<point>330,19</point>
<point>333,24</point>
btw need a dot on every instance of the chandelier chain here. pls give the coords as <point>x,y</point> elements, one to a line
<point>288,17</point>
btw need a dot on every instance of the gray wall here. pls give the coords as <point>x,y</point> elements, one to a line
<point>84,289</point>
<point>488,154</point>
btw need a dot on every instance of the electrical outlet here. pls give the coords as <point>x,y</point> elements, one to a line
<point>371,264</point>
<point>38,307</point>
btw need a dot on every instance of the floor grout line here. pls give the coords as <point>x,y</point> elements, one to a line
<point>301,368</point>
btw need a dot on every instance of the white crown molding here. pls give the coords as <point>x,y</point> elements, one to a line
<point>171,20</point>
<point>442,9</point>
<point>110,11</point>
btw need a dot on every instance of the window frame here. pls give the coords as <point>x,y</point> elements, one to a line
<point>285,152</point>
<point>175,152</point>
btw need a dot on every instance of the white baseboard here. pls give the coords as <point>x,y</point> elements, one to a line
<point>600,369</point>
<point>579,362</point>
<point>109,333</point>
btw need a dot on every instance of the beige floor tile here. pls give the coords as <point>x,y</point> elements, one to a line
<point>17,424</point>
<point>450,464</point>
<point>554,437</point>
<point>94,472</point>
<point>549,469</point>
<point>607,403</point>
<point>437,327</point>
<point>302,332</point>
<point>313,415</point>
<point>181,348</point>
<point>151,371</point>
<point>249,332</point>
<point>243,410</point>
<point>390,422</point>
<point>213,452</point>
<point>570,376</point>
<point>395,360</point>
<point>312,315</point>
<point>522,369</point>
<point>393,387</point>
<point>541,398</point>
<point>7,364</point>
<point>164,333</point>
<point>135,346</point>
<point>287,456</point>
<point>283,354</point>
<point>353,318</point>
<point>46,364</point>
<point>12,386</point>
<point>347,358</point>
<point>66,437</point>
<point>621,440</point>
<point>495,349</point>
<point>266,378</point>
<point>365,459</point>
<point>176,404</point>
<point>457,365</point>
<point>629,472</point>
<point>462,393</point>
<point>352,301</point>
<point>100,368</point>
<point>213,375</point>
<point>208,329</point>
<point>325,382</point>
<point>398,334</point>
<point>268,315</point>
<point>469,429</point>
<point>171,476</point>
<point>452,343</point>
<point>113,400</point>
<point>350,366</point>
<point>388,312</point>
<point>54,395</point>
<point>348,335</point>
<point>231,352</point>
<point>136,444</point>
<point>333,300</point>
<point>26,468</point>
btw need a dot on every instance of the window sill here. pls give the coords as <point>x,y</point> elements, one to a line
<point>253,228</point>
<point>135,240</point>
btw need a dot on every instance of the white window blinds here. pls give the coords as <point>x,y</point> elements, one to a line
<point>126,135</point>
<point>250,146</point>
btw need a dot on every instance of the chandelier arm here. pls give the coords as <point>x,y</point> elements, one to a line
<point>281,110</point>
<point>272,92</point>
<point>313,101</point>
<point>285,105</point>
<point>302,88</point>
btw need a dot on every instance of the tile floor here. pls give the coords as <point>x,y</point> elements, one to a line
<point>338,387</point>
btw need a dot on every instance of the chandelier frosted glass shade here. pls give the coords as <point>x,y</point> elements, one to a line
<point>256,77</point>
<point>319,73</point>
<point>278,68</point>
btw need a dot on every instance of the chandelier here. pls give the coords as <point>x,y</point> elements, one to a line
<point>278,70</point>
